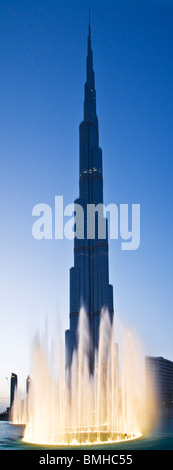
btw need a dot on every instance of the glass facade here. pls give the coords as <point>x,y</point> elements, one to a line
<point>159,372</point>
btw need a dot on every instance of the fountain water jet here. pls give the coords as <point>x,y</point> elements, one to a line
<point>82,408</point>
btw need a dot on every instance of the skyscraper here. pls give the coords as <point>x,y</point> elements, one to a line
<point>159,377</point>
<point>13,387</point>
<point>89,278</point>
<point>28,383</point>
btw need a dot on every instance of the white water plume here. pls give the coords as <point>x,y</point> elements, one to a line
<point>82,408</point>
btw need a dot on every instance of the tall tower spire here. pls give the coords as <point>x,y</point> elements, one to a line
<point>89,277</point>
<point>89,24</point>
<point>90,92</point>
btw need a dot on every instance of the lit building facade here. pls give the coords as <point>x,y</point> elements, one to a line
<point>89,277</point>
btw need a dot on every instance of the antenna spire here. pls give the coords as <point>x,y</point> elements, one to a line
<point>89,24</point>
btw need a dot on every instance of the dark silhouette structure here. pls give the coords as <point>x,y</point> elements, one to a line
<point>89,278</point>
<point>28,382</point>
<point>13,386</point>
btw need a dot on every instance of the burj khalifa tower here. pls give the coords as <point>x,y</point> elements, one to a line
<point>89,277</point>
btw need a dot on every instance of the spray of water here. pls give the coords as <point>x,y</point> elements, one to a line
<point>80,408</point>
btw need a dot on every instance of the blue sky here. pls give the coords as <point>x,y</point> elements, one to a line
<point>43,69</point>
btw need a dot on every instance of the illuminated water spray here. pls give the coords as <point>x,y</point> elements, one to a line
<point>109,405</point>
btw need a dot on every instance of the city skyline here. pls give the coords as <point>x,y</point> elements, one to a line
<point>43,70</point>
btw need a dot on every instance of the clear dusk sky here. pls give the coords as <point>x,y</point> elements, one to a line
<point>43,45</point>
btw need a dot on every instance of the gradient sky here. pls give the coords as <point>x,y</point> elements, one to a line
<point>43,47</point>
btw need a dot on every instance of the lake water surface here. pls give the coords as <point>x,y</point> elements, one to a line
<point>161,438</point>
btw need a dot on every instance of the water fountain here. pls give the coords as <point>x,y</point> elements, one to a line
<point>107,406</point>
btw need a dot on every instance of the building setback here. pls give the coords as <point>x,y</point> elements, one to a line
<point>89,277</point>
